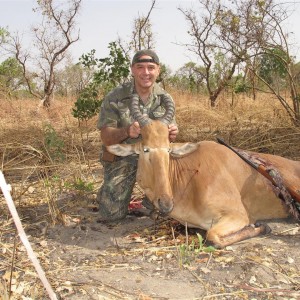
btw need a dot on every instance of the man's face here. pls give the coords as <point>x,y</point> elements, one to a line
<point>145,73</point>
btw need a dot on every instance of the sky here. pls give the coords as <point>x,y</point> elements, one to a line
<point>103,21</point>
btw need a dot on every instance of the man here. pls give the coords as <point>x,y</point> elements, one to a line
<point>117,126</point>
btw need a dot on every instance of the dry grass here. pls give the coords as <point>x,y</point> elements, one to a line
<point>23,139</point>
<point>259,125</point>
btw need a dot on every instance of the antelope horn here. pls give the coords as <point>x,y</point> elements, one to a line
<point>169,106</point>
<point>136,112</point>
<point>143,120</point>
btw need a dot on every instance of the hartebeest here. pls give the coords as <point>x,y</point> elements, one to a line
<point>206,185</point>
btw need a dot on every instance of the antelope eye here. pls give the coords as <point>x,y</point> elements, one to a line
<point>146,150</point>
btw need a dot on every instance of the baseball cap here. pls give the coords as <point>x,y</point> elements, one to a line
<point>154,58</point>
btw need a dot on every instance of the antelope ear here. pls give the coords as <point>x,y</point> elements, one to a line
<point>124,149</point>
<point>180,150</point>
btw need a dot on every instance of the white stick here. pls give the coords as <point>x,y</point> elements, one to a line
<point>6,188</point>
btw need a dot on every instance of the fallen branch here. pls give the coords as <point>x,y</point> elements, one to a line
<point>270,290</point>
<point>6,192</point>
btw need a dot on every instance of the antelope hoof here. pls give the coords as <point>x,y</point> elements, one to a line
<point>264,228</point>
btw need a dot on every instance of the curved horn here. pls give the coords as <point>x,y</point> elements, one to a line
<point>169,106</point>
<point>136,112</point>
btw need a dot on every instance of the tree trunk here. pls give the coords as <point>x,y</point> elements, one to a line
<point>213,99</point>
<point>46,101</point>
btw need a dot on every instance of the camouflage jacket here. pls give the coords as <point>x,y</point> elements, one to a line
<point>115,107</point>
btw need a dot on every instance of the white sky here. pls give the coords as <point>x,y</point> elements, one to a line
<point>102,21</point>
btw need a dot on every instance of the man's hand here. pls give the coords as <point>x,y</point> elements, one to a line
<point>134,130</point>
<point>111,135</point>
<point>173,131</point>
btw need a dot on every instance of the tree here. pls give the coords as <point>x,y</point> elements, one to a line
<point>108,72</point>
<point>296,73</point>
<point>52,38</point>
<point>244,34</point>
<point>3,35</point>
<point>191,76</point>
<point>277,65</point>
<point>142,35</point>
<point>11,76</point>
<point>217,42</point>
<point>73,79</point>
<point>272,68</point>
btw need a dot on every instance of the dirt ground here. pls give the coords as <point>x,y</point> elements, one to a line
<point>140,258</point>
<point>137,260</point>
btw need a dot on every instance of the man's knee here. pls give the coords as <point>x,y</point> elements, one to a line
<point>112,206</point>
<point>115,193</point>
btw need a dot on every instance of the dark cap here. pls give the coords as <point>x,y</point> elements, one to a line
<point>154,58</point>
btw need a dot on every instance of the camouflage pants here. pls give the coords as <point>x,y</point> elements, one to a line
<point>115,193</point>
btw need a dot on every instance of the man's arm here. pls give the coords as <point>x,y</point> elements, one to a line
<point>111,135</point>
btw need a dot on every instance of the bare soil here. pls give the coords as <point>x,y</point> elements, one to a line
<point>137,259</point>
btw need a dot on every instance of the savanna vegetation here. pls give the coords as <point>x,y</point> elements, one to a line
<point>246,91</point>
